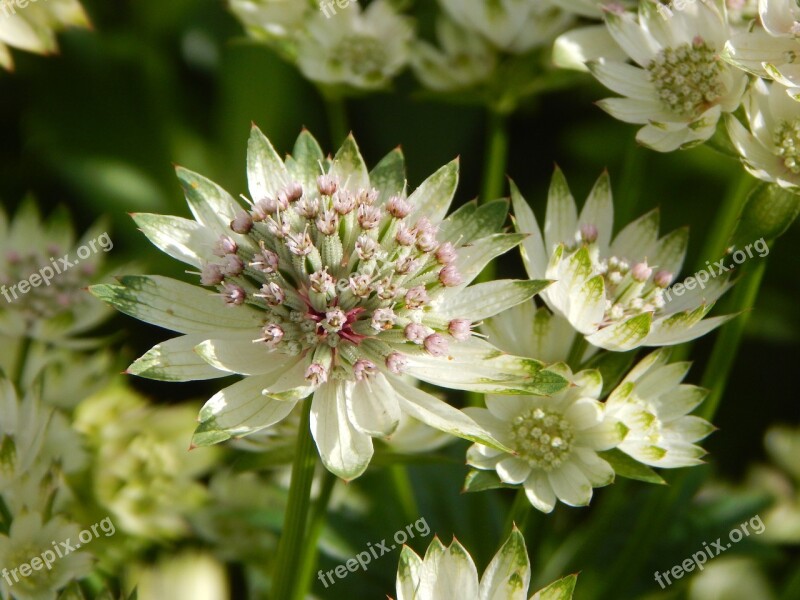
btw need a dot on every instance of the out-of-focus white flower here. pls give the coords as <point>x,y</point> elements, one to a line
<point>272,20</point>
<point>741,12</point>
<point>27,539</point>
<point>555,441</point>
<point>593,9</point>
<point>515,26</point>
<point>142,471</point>
<point>464,60</point>
<point>34,27</point>
<point>770,145</point>
<point>680,87</point>
<point>773,48</point>
<point>449,570</point>
<point>333,282</point>
<point>730,578</point>
<point>654,405</point>
<point>413,436</point>
<point>188,576</point>
<point>362,49</point>
<point>613,292</point>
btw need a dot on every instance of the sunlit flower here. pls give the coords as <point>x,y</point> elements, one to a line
<point>770,145</point>
<point>447,569</point>
<point>773,48</point>
<point>679,86</point>
<point>616,292</point>
<point>333,283</point>
<point>28,537</point>
<point>555,441</point>
<point>653,404</point>
<point>33,28</point>
<point>271,20</point>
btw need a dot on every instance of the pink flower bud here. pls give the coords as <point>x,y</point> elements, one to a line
<point>460,329</point>
<point>232,265</point>
<point>588,233</point>
<point>316,374</point>
<point>272,293</point>
<point>327,185</point>
<point>242,223</point>
<point>363,369</point>
<point>450,277</point>
<point>641,272</point>
<point>662,279</point>
<point>265,261</point>
<point>272,334</point>
<point>415,332</point>
<point>396,363</point>
<point>383,319</point>
<point>233,294</point>
<point>224,245</point>
<point>416,297</point>
<point>405,236</point>
<point>436,345</point>
<point>446,253</point>
<point>211,275</point>
<point>398,207</point>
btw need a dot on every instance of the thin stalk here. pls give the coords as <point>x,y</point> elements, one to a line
<point>519,514</point>
<point>19,366</point>
<point>309,552</point>
<point>496,160</point>
<point>725,220</point>
<point>404,492</point>
<point>337,118</point>
<point>292,538</point>
<point>631,182</point>
<point>576,352</point>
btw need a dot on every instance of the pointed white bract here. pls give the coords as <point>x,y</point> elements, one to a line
<point>333,281</point>
<point>33,27</point>
<point>615,293</point>
<point>654,405</point>
<point>447,570</point>
<point>770,144</point>
<point>555,440</point>
<point>678,87</point>
<point>771,48</point>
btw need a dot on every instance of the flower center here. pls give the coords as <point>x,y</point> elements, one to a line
<point>362,54</point>
<point>632,289</point>
<point>787,144</point>
<point>688,77</point>
<point>542,438</point>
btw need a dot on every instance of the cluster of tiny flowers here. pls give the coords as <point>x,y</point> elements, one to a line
<point>687,77</point>
<point>630,289</point>
<point>331,269</point>
<point>64,293</point>
<point>362,53</point>
<point>542,438</point>
<point>787,142</point>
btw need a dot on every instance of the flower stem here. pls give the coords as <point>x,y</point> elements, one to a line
<point>404,491</point>
<point>630,186</point>
<point>725,220</point>
<point>309,553</point>
<point>288,561</point>
<point>519,514</point>
<point>19,366</point>
<point>496,160</point>
<point>337,118</point>
<point>576,352</point>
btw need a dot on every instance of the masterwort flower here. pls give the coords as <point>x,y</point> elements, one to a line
<point>772,48</point>
<point>613,292</point>
<point>681,86</point>
<point>555,440</point>
<point>447,569</point>
<point>770,145</point>
<point>34,27</point>
<point>514,26</point>
<point>654,405</point>
<point>332,282</point>
<point>27,539</point>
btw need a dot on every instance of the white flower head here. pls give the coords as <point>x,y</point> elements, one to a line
<point>555,441</point>
<point>446,570</point>
<point>514,26</point>
<point>464,60</point>
<point>654,405</point>
<point>272,20</point>
<point>613,292</point>
<point>772,48</point>
<point>28,538</point>
<point>344,338</point>
<point>33,28</point>
<point>679,86</point>
<point>593,9</point>
<point>770,144</point>
<point>355,48</point>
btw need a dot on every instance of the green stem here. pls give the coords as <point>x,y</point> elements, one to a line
<point>496,160</point>
<point>337,118</point>
<point>292,537</point>
<point>405,492</point>
<point>631,182</point>
<point>518,515</point>
<point>309,552</point>
<point>19,366</point>
<point>715,377</point>
<point>719,234</point>
<point>576,352</point>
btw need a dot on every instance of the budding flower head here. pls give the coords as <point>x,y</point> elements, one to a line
<point>363,369</point>
<point>243,223</point>
<point>436,345</point>
<point>460,329</point>
<point>588,233</point>
<point>327,185</point>
<point>449,276</point>
<point>641,272</point>
<point>446,253</point>
<point>662,279</point>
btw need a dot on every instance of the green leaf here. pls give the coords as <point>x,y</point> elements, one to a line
<point>558,590</point>
<point>471,222</point>
<point>484,300</point>
<point>625,466</point>
<point>307,161</point>
<point>433,197</point>
<point>349,167</point>
<point>210,204</point>
<point>389,175</point>
<point>208,434</point>
<point>266,173</point>
<point>768,213</point>
<point>612,366</point>
<point>480,481</point>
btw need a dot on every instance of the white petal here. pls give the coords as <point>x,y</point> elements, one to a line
<point>571,485</point>
<point>372,406</point>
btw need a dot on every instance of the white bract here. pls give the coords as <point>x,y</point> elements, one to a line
<point>272,20</point>
<point>27,539</point>
<point>514,26</point>
<point>653,404</point>
<point>679,87</point>
<point>332,282</point>
<point>555,441</point>
<point>33,28</point>
<point>613,292</point>
<point>363,49</point>
<point>770,144</point>
<point>449,571</point>
<point>772,48</point>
